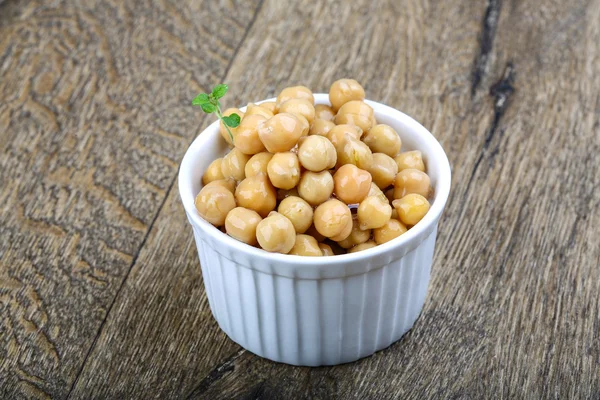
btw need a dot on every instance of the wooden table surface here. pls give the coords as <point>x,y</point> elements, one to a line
<point>101,293</point>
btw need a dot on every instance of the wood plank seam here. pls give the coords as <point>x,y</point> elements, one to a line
<point>486,43</point>
<point>166,196</point>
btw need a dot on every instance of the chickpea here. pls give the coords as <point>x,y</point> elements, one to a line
<point>256,193</point>
<point>298,211</point>
<point>254,109</point>
<point>351,184</point>
<point>241,224</point>
<point>345,90</point>
<point>332,217</point>
<point>269,105</point>
<point>325,112</point>
<point>281,132</point>
<point>363,246</point>
<point>257,164</point>
<point>306,245</point>
<point>410,159</point>
<point>213,172</point>
<point>294,92</point>
<point>315,187</point>
<point>357,236</point>
<point>383,170</point>
<point>316,153</point>
<point>213,203</point>
<point>285,193</point>
<point>346,231</point>
<point>411,208</point>
<point>357,113</point>
<point>234,164</point>
<point>338,134</point>
<point>276,234</point>
<point>228,184</point>
<point>303,107</point>
<point>246,138</point>
<point>383,139</point>
<point>320,127</point>
<point>411,181</point>
<point>375,191</point>
<point>373,212</point>
<point>312,231</point>
<point>222,128</point>
<point>391,230</point>
<point>284,170</point>
<point>395,214</point>
<point>326,250</point>
<point>354,152</point>
<point>304,123</point>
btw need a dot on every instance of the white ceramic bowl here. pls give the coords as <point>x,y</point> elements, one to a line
<point>317,310</point>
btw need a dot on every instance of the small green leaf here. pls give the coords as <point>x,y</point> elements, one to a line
<point>233,120</point>
<point>219,90</point>
<point>208,108</point>
<point>202,98</point>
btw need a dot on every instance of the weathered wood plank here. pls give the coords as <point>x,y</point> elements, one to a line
<point>426,73</point>
<point>94,116</point>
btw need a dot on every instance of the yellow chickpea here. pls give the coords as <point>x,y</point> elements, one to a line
<point>375,191</point>
<point>354,152</point>
<point>256,193</point>
<point>391,230</point>
<point>246,138</point>
<point>315,187</point>
<point>332,217</point>
<point>254,109</point>
<point>411,181</point>
<point>213,203</point>
<point>294,92</point>
<point>223,129</point>
<point>281,132</point>
<point>213,172</point>
<point>321,127</point>
<point>344,90</point>
<point>410,160</point>
<point>373,212</point>
<point>357,236</point>
<point>356,113</point>
<point>234,164</point>
<point>303,107</point>
<point>351,184</point>
<point>363,246</point>
<point>269,105</point>
<point>411,208</point>
<point>383,170</point>
<point>344,233</point>
<point>241,224</point>
<point>306,245</point>
<point>383,139</point>
<point>326,250</point>
<point>228,184</point>
<point>284,170</point>
<point>276,234</point>
<point>298,211</point>
<point>316,153</point>
<point>338,134</point>
<point>257,164</point>
<point>324,112</point>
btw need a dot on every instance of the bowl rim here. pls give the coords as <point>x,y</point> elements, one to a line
<point>407,240</point>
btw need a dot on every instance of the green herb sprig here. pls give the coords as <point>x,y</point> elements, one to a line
<point>210,104</point>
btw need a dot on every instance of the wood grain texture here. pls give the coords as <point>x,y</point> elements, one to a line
<point>94,116</point>
<point>509,88</point>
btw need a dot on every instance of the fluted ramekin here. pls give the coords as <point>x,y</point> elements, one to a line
<point>317,310</point>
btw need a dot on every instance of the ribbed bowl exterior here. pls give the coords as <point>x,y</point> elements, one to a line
<point>315,321</point>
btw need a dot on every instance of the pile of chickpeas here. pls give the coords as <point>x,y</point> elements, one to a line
<point>314,180</point>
